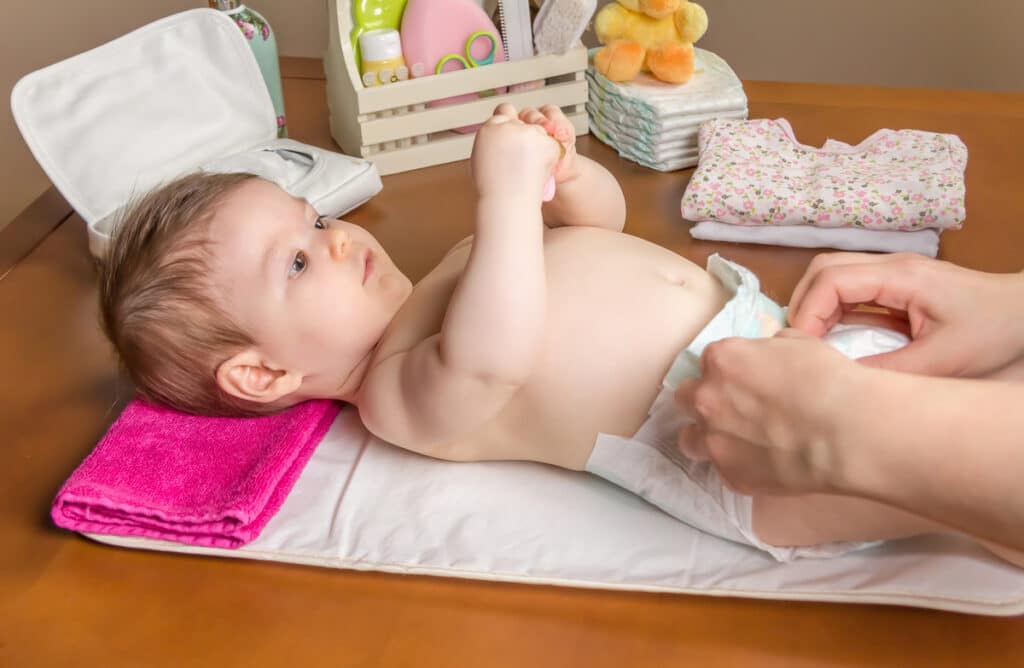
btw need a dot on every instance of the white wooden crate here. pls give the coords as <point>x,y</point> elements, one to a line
<point>392,125</point>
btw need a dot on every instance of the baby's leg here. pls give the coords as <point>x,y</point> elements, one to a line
<point>814,519</point>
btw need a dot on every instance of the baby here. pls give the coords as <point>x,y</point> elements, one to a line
<point>546,331</point>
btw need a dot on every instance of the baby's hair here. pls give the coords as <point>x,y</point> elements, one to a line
<point>157,301</point>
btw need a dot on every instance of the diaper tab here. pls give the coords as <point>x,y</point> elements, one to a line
<point>749,314</point>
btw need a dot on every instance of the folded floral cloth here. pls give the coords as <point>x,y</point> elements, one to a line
<point>205,481</point>
<point>756,173</point>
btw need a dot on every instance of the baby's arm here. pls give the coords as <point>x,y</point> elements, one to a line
<point>492,333</point>
<point>586,193</point>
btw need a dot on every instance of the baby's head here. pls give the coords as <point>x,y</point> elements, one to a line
<point>225,295</point>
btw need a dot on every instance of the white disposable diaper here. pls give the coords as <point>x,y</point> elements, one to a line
<point>660,158</point>
<point>656,124</point>
<point>669,159</point>
<point>649,463</point>
<point>713,88</point>
<point>653,129</point>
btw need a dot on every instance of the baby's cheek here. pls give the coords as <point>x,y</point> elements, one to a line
<point>392,286</point>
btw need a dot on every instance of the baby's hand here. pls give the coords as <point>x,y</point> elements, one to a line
<point>561,129</point>
<point>511,157</point>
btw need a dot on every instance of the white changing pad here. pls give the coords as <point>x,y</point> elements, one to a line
<point>366,505</point>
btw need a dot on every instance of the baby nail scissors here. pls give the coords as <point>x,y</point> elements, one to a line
<point>470,61</point>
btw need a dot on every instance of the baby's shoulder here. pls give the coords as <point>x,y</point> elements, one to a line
<point>460,246</point>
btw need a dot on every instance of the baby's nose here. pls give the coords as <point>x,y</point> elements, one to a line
<point>338,241</point>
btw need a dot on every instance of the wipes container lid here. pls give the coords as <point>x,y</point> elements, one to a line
<point>111,123</point>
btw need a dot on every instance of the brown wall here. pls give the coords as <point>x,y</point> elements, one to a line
<point>920,43</point>
<point>930,43</point>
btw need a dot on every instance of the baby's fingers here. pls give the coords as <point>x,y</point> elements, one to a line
<point>502,113</point>
<point>532,116</point>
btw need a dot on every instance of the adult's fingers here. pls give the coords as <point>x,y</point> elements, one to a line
<point>823,261</point>
<point>823,303</point>
<point>693,441</point>
<point>791,333</point>
<point>744,467</point>
<point>706,410</point>
<point>925,357</point>
<point>685,398</point>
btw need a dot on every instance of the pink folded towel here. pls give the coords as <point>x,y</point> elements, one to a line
<point>206,481</point>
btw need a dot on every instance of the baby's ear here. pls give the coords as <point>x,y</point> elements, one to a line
<point>248,376</point>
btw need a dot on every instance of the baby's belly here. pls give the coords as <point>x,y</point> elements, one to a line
<point>619,311</point>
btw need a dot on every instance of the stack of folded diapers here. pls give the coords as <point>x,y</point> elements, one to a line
<point>655,123</point>
<point>896,191</point>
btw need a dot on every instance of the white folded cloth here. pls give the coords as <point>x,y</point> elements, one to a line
<point>925,242</point>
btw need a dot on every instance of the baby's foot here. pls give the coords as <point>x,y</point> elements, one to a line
<point>561,129</point>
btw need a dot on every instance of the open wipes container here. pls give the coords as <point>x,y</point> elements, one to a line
<point>178,95</point>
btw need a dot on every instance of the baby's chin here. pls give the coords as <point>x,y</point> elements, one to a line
<point>394,284</point>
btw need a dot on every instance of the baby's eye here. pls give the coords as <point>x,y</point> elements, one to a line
<point>299,265</point>
<point>320,224</point>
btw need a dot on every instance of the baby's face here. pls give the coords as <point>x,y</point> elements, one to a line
<point>316,294</point>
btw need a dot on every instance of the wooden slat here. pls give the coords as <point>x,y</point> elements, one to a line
<point>445,118</point>
<point>472,80</point>
<point>442,149</point>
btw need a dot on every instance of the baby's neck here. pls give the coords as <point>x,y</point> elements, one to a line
<point>349,390</point>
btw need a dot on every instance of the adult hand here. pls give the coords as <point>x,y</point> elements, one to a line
<point>961,322</point>
<point>770,413</point>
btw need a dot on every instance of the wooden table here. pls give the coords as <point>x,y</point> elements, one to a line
<point>65,600</point>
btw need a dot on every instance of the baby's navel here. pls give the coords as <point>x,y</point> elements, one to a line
<point>675,278</point>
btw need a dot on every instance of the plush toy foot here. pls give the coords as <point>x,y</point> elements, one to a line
<point>672,63</point>
<point>620,60</point>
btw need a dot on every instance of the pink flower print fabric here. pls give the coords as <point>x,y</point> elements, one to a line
<point>756,173</point>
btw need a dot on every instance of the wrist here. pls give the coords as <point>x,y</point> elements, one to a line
<point>852,463</point>
<point>505,217</point>
<point>890,433</point>
<point>521,193</point>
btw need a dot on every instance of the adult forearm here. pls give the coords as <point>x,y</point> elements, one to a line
<point>594,198</point>
<point>950,450</point>
<point>494,325</point>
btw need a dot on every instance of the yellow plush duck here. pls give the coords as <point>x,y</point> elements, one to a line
<point>653,36</point>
